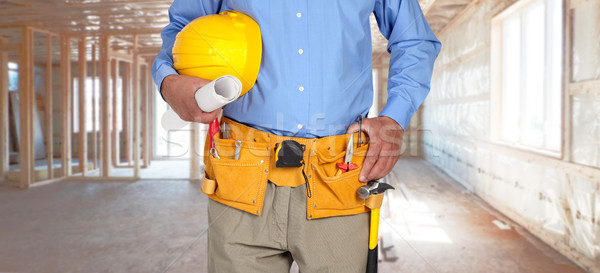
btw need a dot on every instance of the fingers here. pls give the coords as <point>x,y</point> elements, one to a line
<point>179,92</point>
<point>370,160</point>
<point>385,141</point>
<point>372,153</point>
<point>192,113</point>
<point>207,117</point>
<point>382,167</point>
<point>352,128</point>
<point>378,170</point>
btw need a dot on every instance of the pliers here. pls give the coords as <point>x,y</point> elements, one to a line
<point>347,165</point>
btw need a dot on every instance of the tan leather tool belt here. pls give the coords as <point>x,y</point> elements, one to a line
<point>241,183</point>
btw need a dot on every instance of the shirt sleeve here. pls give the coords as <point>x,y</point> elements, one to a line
<point>413,48</point>
<point>181,13</point>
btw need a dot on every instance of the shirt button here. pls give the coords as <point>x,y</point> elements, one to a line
<point>299,126</point>
<point>300,51</point>
<point>298,14</point>
<point>301,88</point>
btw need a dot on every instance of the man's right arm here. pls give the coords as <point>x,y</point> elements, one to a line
<point>177,90</point>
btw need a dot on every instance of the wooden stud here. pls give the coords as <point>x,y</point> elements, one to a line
<point>4,149</point>
<point>102,179</point>
<point>75,8</point>
<point>82,148</point>
<point>115,129</point>
<point>460,17</point>
<point>591,87</point>
<point>26,109</point>
<point>49,110</point>
<point>94,140</point>
<point>105,112</point>
<point>567,139</point>
<point>122,41</point>
<point>136,114</point>
<point>136,127</point>
<point>126,113</point>
<point>121,56</point>
<point>150,135</point>
<point>147,117</point>
<point>428,5</point>
<point>9,47</point>
<point>115,32</point>
<point>42,30</point>
<point>495,120</point>
<point>483,97</point>
<point>45,182</point>
<point>66,109</point>
<point>148,50</point>
<point>573,4</point>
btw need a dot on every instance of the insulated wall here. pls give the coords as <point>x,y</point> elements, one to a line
<point>554,196</point>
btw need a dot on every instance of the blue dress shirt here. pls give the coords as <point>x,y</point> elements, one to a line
<point>315,77</point>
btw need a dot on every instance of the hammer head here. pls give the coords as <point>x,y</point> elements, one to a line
<point>373,188</point>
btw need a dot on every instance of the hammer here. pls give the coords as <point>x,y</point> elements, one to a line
<point>364,192</point>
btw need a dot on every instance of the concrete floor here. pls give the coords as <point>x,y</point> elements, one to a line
<point>159,226</point>
<point>158,169</point>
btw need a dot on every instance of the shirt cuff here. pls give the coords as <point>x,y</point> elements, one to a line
<point>162,72</point>
<point>400,110</point>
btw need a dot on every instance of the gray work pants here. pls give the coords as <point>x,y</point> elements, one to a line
<point>242,242</point>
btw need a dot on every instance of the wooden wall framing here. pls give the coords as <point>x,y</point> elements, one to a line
<point>49,109</point>
<point>94,140</point>
<point>100,144</point>
<point>66,108</point>
<point>82,142</point>
<point>105,107</point>
<point>4,149</point>
<point>26,100</point>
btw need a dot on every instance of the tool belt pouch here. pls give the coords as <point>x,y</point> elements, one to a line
<point>374,201</point>
<point>286,161</point>
<point>237,183</point>
<point>336,194</point>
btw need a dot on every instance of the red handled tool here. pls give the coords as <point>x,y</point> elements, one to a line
<point>347,165</point>
<point>213,129</point>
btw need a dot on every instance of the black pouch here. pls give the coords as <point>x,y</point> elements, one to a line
<point>289,154</point>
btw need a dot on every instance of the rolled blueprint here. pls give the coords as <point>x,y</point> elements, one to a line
<point>210,97</point>
<point>218,93</point>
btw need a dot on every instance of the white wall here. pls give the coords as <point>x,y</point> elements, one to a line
<point>557,199</point>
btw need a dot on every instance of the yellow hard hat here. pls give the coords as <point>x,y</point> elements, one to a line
<point>211,46</point>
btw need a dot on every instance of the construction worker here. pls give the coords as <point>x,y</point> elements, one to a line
<point>314,82</point>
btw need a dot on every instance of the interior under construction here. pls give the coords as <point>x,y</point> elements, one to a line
<point>500,167</point>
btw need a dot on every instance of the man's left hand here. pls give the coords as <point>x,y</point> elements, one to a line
<point>385,140</point>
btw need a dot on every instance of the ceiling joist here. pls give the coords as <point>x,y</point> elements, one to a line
<point>146,18</point>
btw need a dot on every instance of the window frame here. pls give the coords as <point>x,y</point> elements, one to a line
<point>496,77</point>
